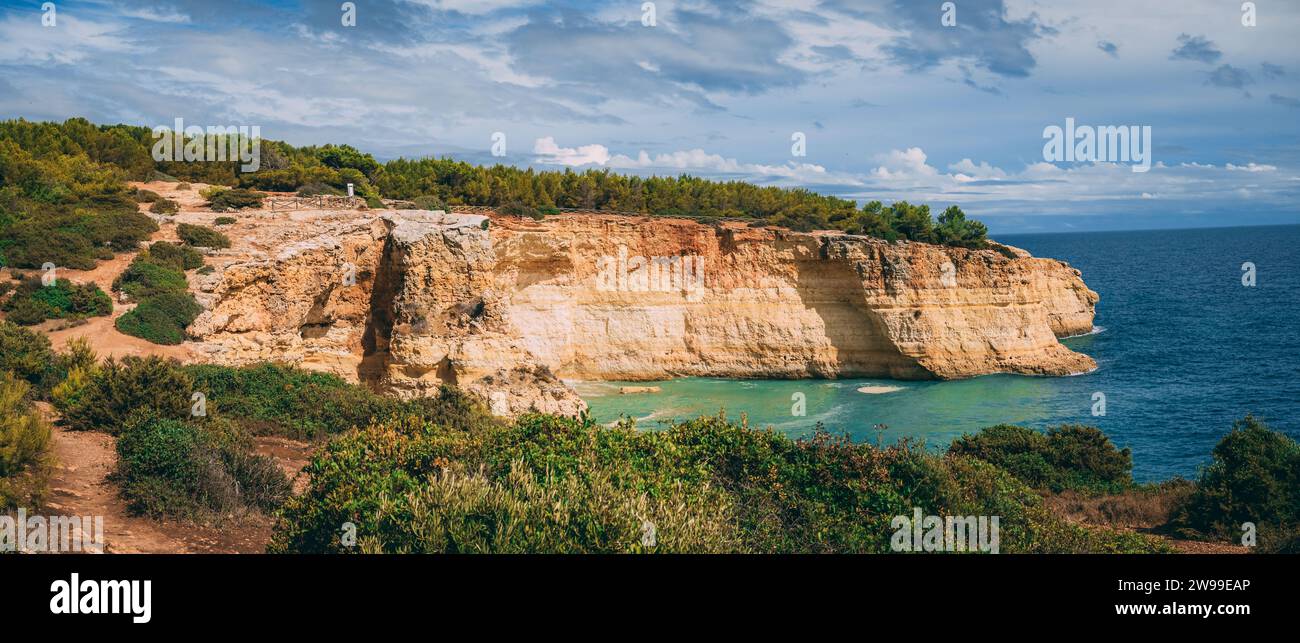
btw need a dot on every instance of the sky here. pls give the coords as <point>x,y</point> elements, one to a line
<point>883,99</point>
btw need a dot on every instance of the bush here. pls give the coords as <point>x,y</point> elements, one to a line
<point>151,323</point>
<point>28,356</point>
<point>1070,457</point>
<point>225,221</point>
<point>429,202</point>
<point>236,199</point>
<point>145,278</point>
<point>520,210</point>
<point>74,239</point>
<point>212,191</point>
<point>181,187</point>
<point>706,485</point>
<point>169,468</point>
<point>273,399</point>
<point>146,196</point>
<point>175,256</point>
<point>318,189</point>
<point>116,389</point>
<point>203,237</point>
<point>165,206</point>
<point>25,450</point>
<point>156,280</point>
<point>1254,477</point>
<point>33,303</point>
<point>375,203</point>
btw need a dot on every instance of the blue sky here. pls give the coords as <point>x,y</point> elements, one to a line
<point>892,103</point>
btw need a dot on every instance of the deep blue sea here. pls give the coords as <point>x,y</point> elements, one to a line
<point>1183,349</point>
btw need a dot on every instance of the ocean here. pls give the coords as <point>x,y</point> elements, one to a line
<point>1183,348</point>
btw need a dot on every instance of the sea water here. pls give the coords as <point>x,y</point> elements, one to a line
<point>1183,348</point>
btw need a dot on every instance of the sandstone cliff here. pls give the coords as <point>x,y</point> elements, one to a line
<point>408,300</point>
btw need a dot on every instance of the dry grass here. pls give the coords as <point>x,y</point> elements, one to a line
<point>1145,507</point>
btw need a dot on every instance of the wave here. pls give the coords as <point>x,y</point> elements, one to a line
<point>1096,330</point>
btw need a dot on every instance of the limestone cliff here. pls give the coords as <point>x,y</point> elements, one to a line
<point>408,300</point>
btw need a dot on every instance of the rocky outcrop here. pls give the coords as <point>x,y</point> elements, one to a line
<point>505,306</point>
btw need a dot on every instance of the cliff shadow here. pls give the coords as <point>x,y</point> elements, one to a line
<point>373,369</point>
<point>833,289</point>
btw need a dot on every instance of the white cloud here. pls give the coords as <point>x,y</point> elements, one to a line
<point>967,171</point>
<point>1251,167</point>
<point>701,161</point>
<point>23,40</point>
<point>497,66</point>
<point>154,14</point>
<point>475,7</point>
<point>898,164</point>
<point>550,152</point>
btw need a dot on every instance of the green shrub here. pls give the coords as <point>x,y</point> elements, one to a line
<point>25,449</point>
<point>175,255</point>
<point>33,303</point>
<point>28,356</point>
<point>197,235</point>
<point>170,468</point>
<point>181,187</point>
<point>212,191</point>
<point>1254,477</point>
<point>412,485</point>
<point>225,221</point>
<point>77,353</point>
<point>145,278</point>
<point>146,196</point>
<point>318,189</point>
<point>165,206</point>
<point>520,210</point>
<point>151,323</point>
<point>73,238</point>
<point>273,399</point>
<point>121,230</point>
<point>157,281</point>
<point>429,202</point>
<point>1072,457</point>
<point>458,512</point>
<point>375,203</point>
<point>133,384</point>
<point>236,199</point>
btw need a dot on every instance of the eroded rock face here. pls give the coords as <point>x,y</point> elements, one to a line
<point>503,309</point>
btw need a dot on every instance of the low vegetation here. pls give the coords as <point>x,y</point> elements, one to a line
<point>25,451</point>
<point>193,469</point>
<point>174,256</point>
<point>116,389</point>
<point>236,199</point>
<point>567,484</point>
<point>1070,457</point>
<point>32,302</point>
<point>1251,486</point>
<point>165,206</point>
<point>156,279</point>
<point>28,356</point>
<point>273,399</point>
<point>202,236</point>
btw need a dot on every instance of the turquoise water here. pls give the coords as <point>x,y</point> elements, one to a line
<point>1182,348</point>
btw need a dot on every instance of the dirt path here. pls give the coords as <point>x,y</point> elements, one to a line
<point>79,486</point>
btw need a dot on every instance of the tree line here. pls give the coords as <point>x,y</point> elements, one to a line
<point>59,169</point>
